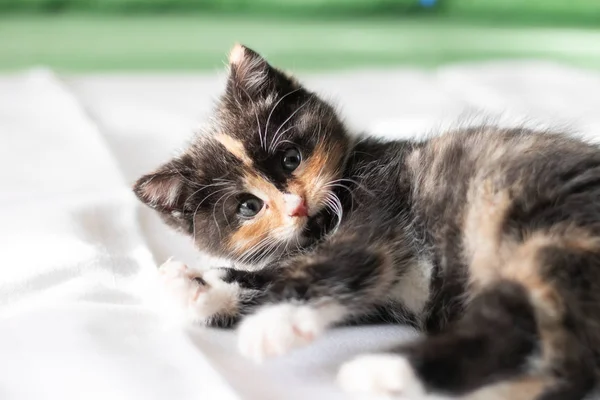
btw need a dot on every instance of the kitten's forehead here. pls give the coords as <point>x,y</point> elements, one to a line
<point>217,157</point>
<point>235,147</point>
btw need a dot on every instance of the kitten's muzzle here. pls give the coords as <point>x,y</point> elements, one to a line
<point>295,206</point>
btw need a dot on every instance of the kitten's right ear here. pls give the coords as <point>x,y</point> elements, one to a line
<point>162,190</point>
<point>249,73</point>
<point>251,77</point>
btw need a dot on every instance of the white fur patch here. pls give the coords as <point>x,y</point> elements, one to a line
<point>291,201</point>
<point>382,375</point>
<point>237,54</point>
<point>276,329</point>
<point>190,301</point>
<point>413,289</point>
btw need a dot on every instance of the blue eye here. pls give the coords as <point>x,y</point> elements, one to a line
<point>250,206</point>
<point>291,159</point>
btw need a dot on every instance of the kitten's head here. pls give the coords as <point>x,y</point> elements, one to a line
<point>258,182</point>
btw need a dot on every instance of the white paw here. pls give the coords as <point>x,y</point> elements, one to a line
<point>276,329</point>
<point>196,296</point>
<point>381,375</point>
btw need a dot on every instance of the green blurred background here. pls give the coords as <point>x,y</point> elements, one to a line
<point>195,35</point>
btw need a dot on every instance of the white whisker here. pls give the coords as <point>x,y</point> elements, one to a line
<point>275,137</point>
<point>229,193</point>
<point>273,146</point>
<point>201,189</point>
<point>335,206</point>
<point>198,207</point>
<point>267,246</point>
<point>223,207</point>
<point>262,144</point>
<point>273,109</point>
<point>267,240</point>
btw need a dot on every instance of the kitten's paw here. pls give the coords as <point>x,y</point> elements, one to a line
<point>381,375</point>
<point>197,296</point>
<point>177,282</point>
<point>276,329</point>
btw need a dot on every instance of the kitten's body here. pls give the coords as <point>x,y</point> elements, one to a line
<point>488,239</point>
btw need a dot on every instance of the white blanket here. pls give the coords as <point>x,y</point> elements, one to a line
<point>80,253</point>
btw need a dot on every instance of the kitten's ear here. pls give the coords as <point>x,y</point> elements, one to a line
<point>251,76</point>
<point>163,190</point>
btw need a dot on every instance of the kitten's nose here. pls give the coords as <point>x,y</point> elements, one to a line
<point>295,205</point>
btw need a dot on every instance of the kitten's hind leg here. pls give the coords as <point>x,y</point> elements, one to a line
<point>494,341</point>
<point>533,318</point>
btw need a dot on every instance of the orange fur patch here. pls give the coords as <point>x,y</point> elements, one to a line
<point>314,173</point>
<point>526,388</point>
<point>524,267</point>
<point>309,181</point>
<point>254,230</point>
<point>235,147</point>
<point>522,263</point>
<point>486,246</point>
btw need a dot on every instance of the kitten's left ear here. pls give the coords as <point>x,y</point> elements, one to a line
<point>163,190</point>
<point>251,75</point>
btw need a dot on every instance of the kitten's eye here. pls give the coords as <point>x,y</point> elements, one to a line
<point>250,206</point>
<point>291,159</point>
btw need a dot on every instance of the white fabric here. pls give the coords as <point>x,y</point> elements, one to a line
<point>80,253</point>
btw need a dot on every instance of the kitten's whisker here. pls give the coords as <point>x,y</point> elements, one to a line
<point>198,207</point>
<point>332,185</point>
<point>350,192</point>
<point>192,183</point>
<point>358,184</point>
<point>320,174</point>
<point>255,248</point>
<point>275,136</point>
<point>259,254</point>
<point>273,146</point>
<point>211,194</point>
<point>264,246</point>
<point>319,132</point>
<point>335,205</point>
<point>201,189</point>
<point>287,141</point>
<point>266,250</point>
<point>298,245</point>
<point>232,193</point>
<point>229,193</point>
<point>272,251</point>
<point>273,109</point>
<point>263,143</point>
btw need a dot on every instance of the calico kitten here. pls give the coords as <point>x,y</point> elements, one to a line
<point>488,239</point>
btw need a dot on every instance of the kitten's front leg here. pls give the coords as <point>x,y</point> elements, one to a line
<point>312,293</point>
<point>215,297</point>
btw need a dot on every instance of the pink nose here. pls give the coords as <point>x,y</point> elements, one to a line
<point>295,205</point>
<point>299,211</point>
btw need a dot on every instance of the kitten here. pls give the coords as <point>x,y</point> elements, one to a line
<point>487,239</point>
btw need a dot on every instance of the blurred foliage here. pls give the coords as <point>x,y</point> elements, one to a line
<point>573,11</point>
<point>195,42</point>
<point>262,6</point>
<point>103,35</point>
